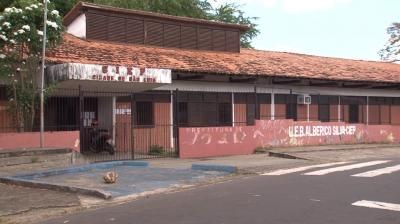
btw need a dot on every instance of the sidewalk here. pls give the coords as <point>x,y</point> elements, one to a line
<point>331,153</point>
<point>25,204</point>
<point>245,163</point>
<point>249,163</point>
<point>19,204</point>
<point>334,148</point>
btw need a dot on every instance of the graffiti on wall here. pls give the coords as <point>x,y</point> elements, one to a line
<point>220,141</point>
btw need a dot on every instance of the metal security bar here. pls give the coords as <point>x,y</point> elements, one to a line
<point>139,124</point>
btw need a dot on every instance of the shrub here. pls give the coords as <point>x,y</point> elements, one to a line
<point>156,150</point>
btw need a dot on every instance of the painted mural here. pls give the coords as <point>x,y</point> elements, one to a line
<point>222,141</point>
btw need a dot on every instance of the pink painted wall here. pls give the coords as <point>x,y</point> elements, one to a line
<point>59,139</point>
<point>223,141</point>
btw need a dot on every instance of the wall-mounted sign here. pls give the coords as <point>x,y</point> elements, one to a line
<point>320,130</point>
<point>76,71</point>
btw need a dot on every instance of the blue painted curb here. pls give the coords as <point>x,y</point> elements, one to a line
<point>27,180</point>
<point>56,187</point>
<point>210,167</point>
<point>77,169</point>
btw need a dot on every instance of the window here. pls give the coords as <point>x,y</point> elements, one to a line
<point>144,113</point>
<point>247,100</point>
<point>183,113</point>
<point>250,113</point>
<point>323,112</point>
<point>324,104</point>
<point>353,113</point>
<point>225,113</point>
<point>291,111</point>
<point>197,109</point>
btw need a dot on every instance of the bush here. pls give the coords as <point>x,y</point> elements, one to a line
<point>156,150</point>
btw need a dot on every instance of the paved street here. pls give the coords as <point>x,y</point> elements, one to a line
<point>356,191</point>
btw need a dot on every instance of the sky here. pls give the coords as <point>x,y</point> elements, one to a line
<point>354,29</point>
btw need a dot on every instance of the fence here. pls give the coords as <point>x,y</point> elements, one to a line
<point>140,124</point>
<point>145,124</point>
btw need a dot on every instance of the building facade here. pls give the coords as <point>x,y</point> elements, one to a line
<point>150,78</point>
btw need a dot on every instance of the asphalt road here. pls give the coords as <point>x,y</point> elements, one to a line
<point>288,198</point>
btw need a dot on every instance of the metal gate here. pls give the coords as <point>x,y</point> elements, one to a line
<point>141,125</point>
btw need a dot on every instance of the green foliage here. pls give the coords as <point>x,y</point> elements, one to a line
<point>20,46</point>
<point>391,51</point>
<point>231,13</point>
<point>22,29</point>
<point>156,150</point>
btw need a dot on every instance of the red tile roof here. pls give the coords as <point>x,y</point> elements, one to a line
<point>247,62</point>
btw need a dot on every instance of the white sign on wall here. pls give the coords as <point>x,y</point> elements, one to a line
<point>76,71</point>
<point>321,130</point>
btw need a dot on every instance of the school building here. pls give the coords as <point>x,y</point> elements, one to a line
<point>166,86</point>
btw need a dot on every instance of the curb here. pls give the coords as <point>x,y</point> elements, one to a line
<point>27,179</point>
<point>284,155</point>
<point>57,187</point>
<point>365,146</point>
<point>220,168</point>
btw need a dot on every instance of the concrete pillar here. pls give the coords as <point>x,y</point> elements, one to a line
<point>272,105</point>
<point>171,117</point>
<point>233,109</point>
<point>367,115</point>
<point>339,115</point>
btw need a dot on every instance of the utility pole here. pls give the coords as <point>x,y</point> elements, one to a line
<point>42,77</point>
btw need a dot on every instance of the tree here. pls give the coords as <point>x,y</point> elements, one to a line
<point>391,51</point>
<point>21,39</point>
<point>230,13</point>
